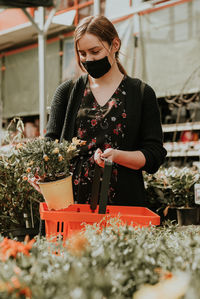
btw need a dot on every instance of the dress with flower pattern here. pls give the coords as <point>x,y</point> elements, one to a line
<point>101,127</point>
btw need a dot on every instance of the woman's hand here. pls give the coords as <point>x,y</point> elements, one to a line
<point>100,156</point>
<point>34,183</point>
<point>131,159</point>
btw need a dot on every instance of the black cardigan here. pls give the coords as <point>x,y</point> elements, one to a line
<point>143,131</point>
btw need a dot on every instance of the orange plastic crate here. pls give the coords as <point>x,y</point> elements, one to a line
<point>70,220</point>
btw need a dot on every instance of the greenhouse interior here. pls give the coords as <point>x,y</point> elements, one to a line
<point>100,149</point>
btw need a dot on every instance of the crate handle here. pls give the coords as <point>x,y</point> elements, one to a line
<point>104,187</point>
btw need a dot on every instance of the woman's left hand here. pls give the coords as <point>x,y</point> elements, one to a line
<point>99,156</point>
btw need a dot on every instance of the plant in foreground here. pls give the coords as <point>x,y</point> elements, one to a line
<point>113,262</point>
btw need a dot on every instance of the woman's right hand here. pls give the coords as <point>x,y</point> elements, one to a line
<point>34,183</point>
<point>97,157</point>
<point>108,154</point>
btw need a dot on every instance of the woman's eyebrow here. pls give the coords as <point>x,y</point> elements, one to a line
<point>90,49</point>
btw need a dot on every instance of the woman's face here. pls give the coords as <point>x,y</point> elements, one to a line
<point>90,48</point>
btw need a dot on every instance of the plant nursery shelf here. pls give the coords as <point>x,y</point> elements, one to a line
<point>183,154</point>
<point>181,126</point>
<point>183,149</point>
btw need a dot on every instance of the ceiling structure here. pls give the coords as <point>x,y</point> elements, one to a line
<point>26,3</point>
<point>41,29</point>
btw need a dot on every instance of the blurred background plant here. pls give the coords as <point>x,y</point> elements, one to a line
<point>14,132</point>
<point>19,201</point>
<point>173,186</point>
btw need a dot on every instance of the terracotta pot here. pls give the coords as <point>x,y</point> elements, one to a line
<point>58,194</point>
<point>188,216</point>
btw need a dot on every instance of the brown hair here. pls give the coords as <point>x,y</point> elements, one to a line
<point>103,29</point>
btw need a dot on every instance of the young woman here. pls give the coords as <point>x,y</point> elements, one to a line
<point>116,115</point>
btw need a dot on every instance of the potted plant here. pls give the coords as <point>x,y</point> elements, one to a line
<point>48,162</point>
<point>19,213</point>
<point>173,188</point>
<point>159,193</point>
<point>182,183</point>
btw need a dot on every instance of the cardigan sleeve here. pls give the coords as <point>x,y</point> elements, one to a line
<point>151,132</point>
<point>58,110</point>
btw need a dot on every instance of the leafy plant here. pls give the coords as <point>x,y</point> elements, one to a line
<point>47,160</point>
<point>172,186</point>
<point>110,263</point>
<point>14,131</point>
<point>182,183</point>
<point>17,197</point>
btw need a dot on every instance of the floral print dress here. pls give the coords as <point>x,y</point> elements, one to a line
<point>101,127</point>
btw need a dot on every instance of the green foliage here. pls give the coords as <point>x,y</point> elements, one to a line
<point>112,263</point>
<point>16,196</point>
<point>14,132</point>
<point>45,159</point>
<point>172,186</point>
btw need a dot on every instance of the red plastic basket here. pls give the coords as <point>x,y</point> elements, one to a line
<point>63,223</point>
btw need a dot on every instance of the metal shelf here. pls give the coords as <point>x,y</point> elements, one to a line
<point>183,149</point>
<point>181,127</point>
<point>184,154</point>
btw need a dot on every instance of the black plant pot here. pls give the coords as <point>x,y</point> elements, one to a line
<point>21,233</point>
<point>171,215</point>
<point>188,216</point>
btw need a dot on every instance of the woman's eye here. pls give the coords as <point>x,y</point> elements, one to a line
<point>95,52</point>
<point>82,54</point>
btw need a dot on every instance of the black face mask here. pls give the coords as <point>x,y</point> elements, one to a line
<point>97,68</point>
